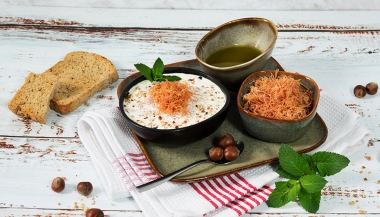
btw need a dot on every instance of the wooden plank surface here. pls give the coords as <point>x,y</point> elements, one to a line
<point>255,5</point>
<point>28,166</point>
<point>32,154</point>
<point>183,19</point>
<point>337,61</point>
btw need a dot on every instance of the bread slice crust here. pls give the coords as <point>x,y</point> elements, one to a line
<point>32,99</point>
<point>80,75</point>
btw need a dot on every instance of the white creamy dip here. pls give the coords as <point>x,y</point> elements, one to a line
<point>206,101</point>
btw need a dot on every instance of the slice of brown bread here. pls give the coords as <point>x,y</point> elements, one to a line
<point>32,99</point>
<point>80,76</point>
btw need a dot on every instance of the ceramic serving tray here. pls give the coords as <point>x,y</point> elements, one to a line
<point>165,157</point>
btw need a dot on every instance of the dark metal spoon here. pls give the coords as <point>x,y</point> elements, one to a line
<point>159,181</point>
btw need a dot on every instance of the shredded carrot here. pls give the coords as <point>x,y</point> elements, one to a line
<point>278,97</point>
<point>171,97</point>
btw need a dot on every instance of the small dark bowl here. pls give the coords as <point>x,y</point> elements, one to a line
<point>184,134</point>
<point>274,130</point>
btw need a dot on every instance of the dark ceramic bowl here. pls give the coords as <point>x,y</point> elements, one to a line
<point>274,130</point>
<point>184,134</point>
<point>254,32</point>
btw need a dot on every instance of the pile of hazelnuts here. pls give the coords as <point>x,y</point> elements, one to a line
<point>225,149</point>
<point>83,188</point>
<point>371,88</point>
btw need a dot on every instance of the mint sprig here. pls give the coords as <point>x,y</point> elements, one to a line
<point>305,174</point>
<point>155,73</point>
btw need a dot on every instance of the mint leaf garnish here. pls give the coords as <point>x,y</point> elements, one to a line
<point>145,70</point>
<point>312,183</point>
<point>309,201</point>
<point>171,78</point>
<point>155,73</point>
<point>329,163</point>
<point>158,69</point>
<point>282,185</point>
<point>305,174</point>
<point>278,198</point>
<point>292,162</point>
<point>294,191</point>
<point>285,174</point>
<point>307,158</point>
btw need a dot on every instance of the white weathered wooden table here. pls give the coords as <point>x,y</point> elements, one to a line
<point>338,49</point>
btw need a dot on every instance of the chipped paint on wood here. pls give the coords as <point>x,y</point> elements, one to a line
<point>314,52</point>
<point>338,54</point>
<point>186,19</point>
<point>299,26</point>
<point>50,22</point>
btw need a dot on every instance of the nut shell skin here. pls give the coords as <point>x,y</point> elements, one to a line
<point>84,188</point>
<point>231,153</point>
<point>94,212</point>
<point>226,140</point>
<point>372,88</point>
<point>58,184</point>
<point>216,153</point>
<point>360,91</point>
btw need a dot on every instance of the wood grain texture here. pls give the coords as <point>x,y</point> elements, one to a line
<point>182,19</point>
<point>32,39</point>
<point>211,4</point>
<point>336,61</point>
<point>28,165</point>
<point>11,212</point>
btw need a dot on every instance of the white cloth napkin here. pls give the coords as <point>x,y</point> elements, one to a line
<point>122,166</point>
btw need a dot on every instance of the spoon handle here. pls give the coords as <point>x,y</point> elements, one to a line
<point>159,181</point>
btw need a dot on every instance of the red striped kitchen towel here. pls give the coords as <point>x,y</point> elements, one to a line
<point>122,166</point>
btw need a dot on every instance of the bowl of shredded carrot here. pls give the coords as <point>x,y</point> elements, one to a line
<point>277,106</point>
<point>175,111</point>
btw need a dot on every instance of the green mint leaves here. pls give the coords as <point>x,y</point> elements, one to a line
<point>145,70</point>
<point>155,73</point>
<point>305,174</point>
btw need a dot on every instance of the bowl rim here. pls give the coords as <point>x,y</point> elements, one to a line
<point>267,72</point>
<point>173,70</point>
<point>214,30</point>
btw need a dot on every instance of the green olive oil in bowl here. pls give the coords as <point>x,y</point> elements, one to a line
<point>233,55</point>
<point>254,32</point>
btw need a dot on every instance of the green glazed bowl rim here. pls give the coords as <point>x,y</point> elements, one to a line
<point>232,22</point>
<point>268,72</point>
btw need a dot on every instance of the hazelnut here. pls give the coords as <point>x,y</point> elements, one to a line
<point>231,153</point>
<point>58,184</point>
<point>360,91</point>
<point>84,188</point>
<point>216,153</point>
<point>94,212</point>
<point>226,140</point>
<point>372,88</point>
